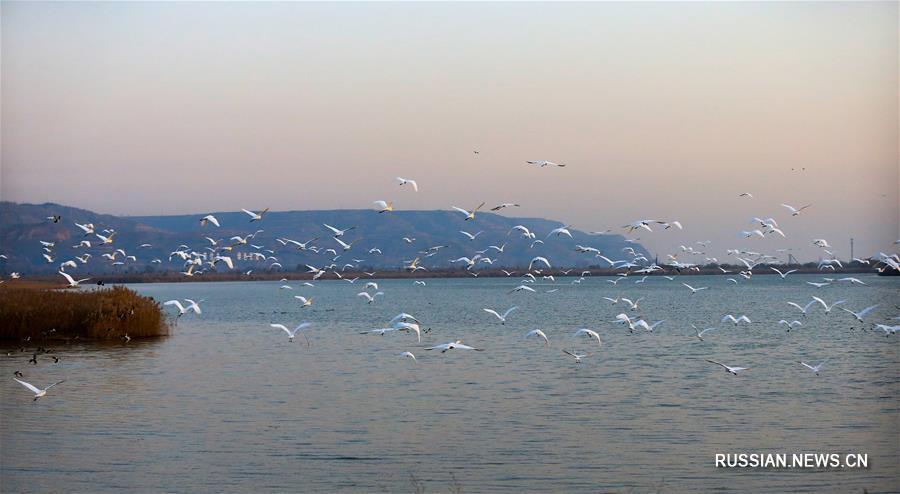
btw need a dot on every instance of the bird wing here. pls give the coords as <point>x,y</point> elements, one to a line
<point>54,384</point>
<point>29,386</point>
<point>461,210</point>
<point>333,229</point>
<point>509,310</point>
<point>251,213</point>
<point>414,184</point>
<point>718,363</point>
<point>866,310</point>
<point>194,306</point>
<point>67,277</point>
<point>282,327</point>
<point>175,303</point>
<point>492,311</point>
<point>804,364</point>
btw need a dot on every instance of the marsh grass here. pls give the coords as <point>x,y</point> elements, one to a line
<point>98,314</point>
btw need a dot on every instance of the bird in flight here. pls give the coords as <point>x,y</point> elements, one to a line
<point>470,215</point>
<point>499,316</point>
<point>458,344</point>
<point>732,370</point>
<point>38,393</point>
<point>255,216</point>
<point>292,333</point>
<point>404,181</point>
<point>543,163</point>
<point>795,211</point>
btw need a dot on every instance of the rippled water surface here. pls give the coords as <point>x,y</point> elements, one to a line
<point>228,404</point>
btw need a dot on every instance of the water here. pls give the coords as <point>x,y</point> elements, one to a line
<point>227,404</point>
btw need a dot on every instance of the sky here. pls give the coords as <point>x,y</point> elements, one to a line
<point>659,110</point>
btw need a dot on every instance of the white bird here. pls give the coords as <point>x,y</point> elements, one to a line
<point>384,206</point>
<point>888,330</point>
<point>543,163</point>
<point>853,281</point>
<point>733,370</point>
<point>501,317</point>
<point>72,281</point>
<point>804,308</point>
<point>419,282</point>
<point>790,325</point>
<point>700,333</point>
<point>409,326</point>
<point>577,356</point>
<point>106,240</point>
<point>735,320</point>
<point>255,216</point>
<point>408,355</point>
<point>859,315</point>
<point>563,230</point>
<point>783,275</point>
<point>814,369</point>
<point>746,194</point>
<point>470,215</point>
<point>695,290</point>
<point>504,205</point>
<point>826,306</point>
<point>404,181</point>
<point>209,219</point>
<point>471,236</point>
<point>306,302</point>
<point>182,310</point>
<point>87,228</point>
<point>526,233</point>
<point>38,393</point>
<point>590,334</point>
<point>631,305</point>
<point>538,259</point>
<point>369,298</point>
<point>670,224</point>
<point>794,211</point>
<point>458,344</point>
<point>337,232</point>
<point>293,333</point>
<point>345,245</point>
<point>538,333</point>
<point>403,316</point>
<point>522,288</point>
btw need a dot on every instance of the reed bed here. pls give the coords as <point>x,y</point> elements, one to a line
<point>99,314</point>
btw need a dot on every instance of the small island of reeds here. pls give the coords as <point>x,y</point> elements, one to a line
<point>42,312</point>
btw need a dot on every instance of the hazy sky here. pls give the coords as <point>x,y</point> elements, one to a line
<point>659,110</point>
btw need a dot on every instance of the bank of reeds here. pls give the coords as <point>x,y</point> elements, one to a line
<point>100,314</point>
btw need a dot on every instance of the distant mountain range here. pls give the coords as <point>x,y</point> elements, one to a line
<point>24,226</point>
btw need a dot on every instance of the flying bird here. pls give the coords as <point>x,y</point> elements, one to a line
<point>501,317</point>
<point>255,216</point>
<point>795,211</point>
<point>543,163</point>
<point>470,215</point>
<point>292,333</point>
<point>732,370</point>
<point>38,393</point>
<point>404,181</point>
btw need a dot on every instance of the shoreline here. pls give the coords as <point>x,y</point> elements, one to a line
<point>52,281</point>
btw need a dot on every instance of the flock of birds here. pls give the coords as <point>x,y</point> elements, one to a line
<point>627,264</point>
